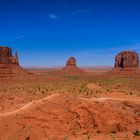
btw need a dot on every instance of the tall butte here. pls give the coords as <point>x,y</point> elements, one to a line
<point>9,64</point>
<point>71,67</point>
<point>6,56</point>
<point>126,63</point>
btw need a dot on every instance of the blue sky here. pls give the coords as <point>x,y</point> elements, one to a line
<point>47,32</point>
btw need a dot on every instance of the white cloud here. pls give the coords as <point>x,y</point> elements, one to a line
<point>53,16</point>
<point>72,13</point>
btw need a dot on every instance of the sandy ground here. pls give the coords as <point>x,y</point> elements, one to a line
<point>53,106</point>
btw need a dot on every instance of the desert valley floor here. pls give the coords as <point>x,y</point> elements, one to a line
<point>51,105</point>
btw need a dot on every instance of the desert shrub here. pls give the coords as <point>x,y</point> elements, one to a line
<point>113,132</point>
<point>136,133</point>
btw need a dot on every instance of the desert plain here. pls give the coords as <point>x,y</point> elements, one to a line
<point>48,104</point>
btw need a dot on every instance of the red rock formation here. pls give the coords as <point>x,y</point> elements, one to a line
<point>127,59</point>
<point>71,67</point>
<point>126,63</point>
<point>71,62</point>
<point>6,56</point>
<point>9,65</point>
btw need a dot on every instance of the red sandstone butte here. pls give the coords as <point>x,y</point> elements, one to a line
<point>9,65</point>
<point>6,56</point>
<point>127,59</point>
<point>126,63</point>
<point>71,67</point>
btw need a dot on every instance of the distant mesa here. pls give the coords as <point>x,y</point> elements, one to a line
<point>126,63</point>
<point>71,67</point>
<point>9,64</point>
<point>127,59</point>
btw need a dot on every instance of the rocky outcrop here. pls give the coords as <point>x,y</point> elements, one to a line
<point>9,65</point>
<point>126,63</point>
<point>71,67</point>
<point>71,62</point>
<point>6,56</point>
<point>127,59</point>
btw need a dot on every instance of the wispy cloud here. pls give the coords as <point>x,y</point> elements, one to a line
<point>20,37</point>
<point>133,46</point>
<point>81,11</point>
<point>108,51</point>
<point>53,16</point>
<point>92,52</point>
<point>71,13</point>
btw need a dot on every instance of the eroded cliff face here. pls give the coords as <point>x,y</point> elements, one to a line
<point>6,56</point>
<point>127,59</point>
